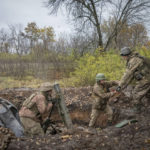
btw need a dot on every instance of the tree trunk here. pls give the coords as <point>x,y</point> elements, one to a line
<point>100,42</point>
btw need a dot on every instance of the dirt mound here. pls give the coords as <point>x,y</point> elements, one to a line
<point>5,137</point>
<point>135,136</point>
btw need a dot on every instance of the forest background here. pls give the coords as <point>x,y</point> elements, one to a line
<point>31,55</point>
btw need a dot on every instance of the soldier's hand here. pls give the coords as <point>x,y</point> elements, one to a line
<point>118,89</point>
<point>114,91</point>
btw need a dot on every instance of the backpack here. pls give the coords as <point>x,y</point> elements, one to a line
<point>146,60</point>
<point>28,103</point>
<point>9,117</point>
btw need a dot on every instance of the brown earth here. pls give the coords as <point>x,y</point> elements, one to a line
<point>133,136</point>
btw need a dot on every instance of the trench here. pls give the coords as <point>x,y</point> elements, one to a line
<point>81,117</point>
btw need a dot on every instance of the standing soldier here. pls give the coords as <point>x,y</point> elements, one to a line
<point>100,97</point>
<point>35,109</point>
<point>138,73</point>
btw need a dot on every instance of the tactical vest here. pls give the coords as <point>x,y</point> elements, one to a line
<point>28,103</point>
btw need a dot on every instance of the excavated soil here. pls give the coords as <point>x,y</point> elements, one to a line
<point>133,136</point>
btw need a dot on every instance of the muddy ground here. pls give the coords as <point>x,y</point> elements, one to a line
<point>133,136</point>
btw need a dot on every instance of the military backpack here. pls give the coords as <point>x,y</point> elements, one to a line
<point>146,61</point>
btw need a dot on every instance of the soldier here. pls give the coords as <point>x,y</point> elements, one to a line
<point>35,109</point>
<point>137,73</point>
<point>100,96</point>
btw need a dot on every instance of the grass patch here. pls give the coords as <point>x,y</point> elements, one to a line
<point>10,82</point>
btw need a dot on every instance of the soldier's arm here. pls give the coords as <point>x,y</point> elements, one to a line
<point>41,104</point>
<point>97,91</point>
<point>129,74</point>
<point>111,83</point>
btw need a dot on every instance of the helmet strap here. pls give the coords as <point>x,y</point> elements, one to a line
<point>101,83</point>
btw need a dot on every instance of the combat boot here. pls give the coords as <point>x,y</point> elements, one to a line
<point>109,123</point>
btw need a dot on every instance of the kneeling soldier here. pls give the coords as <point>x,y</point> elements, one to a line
<point>35,109</point>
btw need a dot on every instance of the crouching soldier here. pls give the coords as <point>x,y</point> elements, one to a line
<point>35,109</point>
<point>100,97</point>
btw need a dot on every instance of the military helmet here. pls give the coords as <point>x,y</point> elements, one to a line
<point>125,51</point>
<point>100,76</point>
<point>47,86</point>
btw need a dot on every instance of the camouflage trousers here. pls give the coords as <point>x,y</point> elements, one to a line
<point>31,127</point>
<point>96,112</point>
<point>140,90</point>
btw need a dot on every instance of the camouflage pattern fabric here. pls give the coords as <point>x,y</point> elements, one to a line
<point>34,114</point>
<point>140,90</point>
<point>31,127</point>
<point>96,112</point>
<point>100,98</point>
<point>137,74</point>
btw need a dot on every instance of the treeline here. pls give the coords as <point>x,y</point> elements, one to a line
<point>34,51</point>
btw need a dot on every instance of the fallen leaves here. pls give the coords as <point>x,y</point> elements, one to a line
<point>147,141</point>
<point>37,143</point>
<point>66,136</point>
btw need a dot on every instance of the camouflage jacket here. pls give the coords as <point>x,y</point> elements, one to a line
<point>135,68</point>
<point>102,91</point>
<point>36,105</point>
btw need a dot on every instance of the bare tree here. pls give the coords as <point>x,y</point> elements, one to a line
<point>90,13</point>
<point>18,43</point>
<point>128,12</point>
<point>4,41</point>
<point>86,13</point>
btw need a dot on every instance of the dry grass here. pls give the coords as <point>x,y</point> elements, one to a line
<point>9,82</point>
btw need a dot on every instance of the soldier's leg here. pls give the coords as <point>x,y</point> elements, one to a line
<point>109,112</point>
<point>95,112</point>
<point>31,127</point>
<point>36,129</point>
<point>94,115</point>
<point>139,92</point>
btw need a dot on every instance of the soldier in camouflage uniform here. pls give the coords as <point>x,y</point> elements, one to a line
<point>137,73</point>
<point>35,109</point>
<point>100,96</point>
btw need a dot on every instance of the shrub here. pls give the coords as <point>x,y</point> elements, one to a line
<point>89,65</point>
<point>109,63</point>
<point>143,51</point>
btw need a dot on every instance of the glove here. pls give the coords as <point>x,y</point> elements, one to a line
<point>118,89</point>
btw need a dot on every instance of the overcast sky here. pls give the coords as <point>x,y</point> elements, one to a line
<point>25,11</point>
